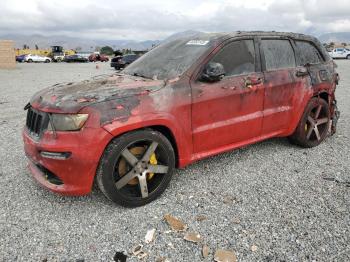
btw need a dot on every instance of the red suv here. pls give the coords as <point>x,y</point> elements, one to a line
<point>183,101</point>
<point>98,57</point>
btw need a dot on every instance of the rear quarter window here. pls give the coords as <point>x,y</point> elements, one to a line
<point>278,54</point>
<point>307,53</point>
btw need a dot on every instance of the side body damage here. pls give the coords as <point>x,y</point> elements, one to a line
<point>199,118</point>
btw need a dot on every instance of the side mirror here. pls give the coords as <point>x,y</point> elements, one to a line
<point>213,72</point>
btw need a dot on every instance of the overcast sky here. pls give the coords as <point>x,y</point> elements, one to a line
<point>156,19</point>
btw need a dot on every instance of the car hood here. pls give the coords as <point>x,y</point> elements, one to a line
<point>72,97</point>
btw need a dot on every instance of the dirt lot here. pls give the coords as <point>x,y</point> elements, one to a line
<point>288,203</point>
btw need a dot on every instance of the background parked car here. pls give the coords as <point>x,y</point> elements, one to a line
<point>20,58</point>
<point>340,53</point>
<point>85,54</point>
<point>36,58</point>
<point>98,57</point>
<point>75,58</point>
<point>119,62</point>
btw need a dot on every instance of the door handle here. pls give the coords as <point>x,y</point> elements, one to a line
<point>302,72</point>
<point>229,87</point>
<point>249,81</point>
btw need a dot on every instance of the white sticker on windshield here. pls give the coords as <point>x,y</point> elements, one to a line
<point>197,42</point>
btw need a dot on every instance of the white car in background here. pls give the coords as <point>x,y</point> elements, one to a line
<point>37,58</point>
<point>340,53</point>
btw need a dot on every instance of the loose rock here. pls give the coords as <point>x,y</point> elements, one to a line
<point>205,251</point>
<point>224,256</point>
<point>150,236</point>
<point>254,248</point>
<point>175,223</point>
<point>192,237</point>
<point>201,218</point>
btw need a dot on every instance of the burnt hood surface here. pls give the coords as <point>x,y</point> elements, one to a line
<point>72,97</point>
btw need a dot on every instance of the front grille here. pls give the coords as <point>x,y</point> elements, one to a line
<point>36,122</point>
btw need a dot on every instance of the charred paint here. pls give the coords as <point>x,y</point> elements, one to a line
<point>72,97</point>
<point>320,73</point>
<point>117,109</point>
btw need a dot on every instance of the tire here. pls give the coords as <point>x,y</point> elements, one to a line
<point>121,180</point>
<point>47,61</point>
<point>315,116</point>
<point>30,60</point>
<point>348,57</point>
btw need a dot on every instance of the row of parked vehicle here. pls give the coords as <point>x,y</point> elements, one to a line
<point>29,58</point>
<point>118,62</point>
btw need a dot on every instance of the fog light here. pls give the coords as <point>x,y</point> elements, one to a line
<point>55,155</point>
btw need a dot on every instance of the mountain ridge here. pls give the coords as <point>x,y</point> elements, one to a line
<point>67,42</point>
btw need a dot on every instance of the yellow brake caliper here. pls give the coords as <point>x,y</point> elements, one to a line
<point>138,152</point>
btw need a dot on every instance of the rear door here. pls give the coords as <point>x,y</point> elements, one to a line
<point>229,111</point>
<point>279,66</point>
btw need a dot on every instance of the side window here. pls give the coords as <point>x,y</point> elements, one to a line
<point>238,57</point>
<point>278,54</point>
<point>308,53</point>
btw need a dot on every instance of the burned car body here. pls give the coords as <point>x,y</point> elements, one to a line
<point>185,100</point>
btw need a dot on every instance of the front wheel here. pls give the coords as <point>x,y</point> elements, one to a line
<point>47,61</point>
<point>348,57</point>
<point>136,168</point>
<point>314,124</point>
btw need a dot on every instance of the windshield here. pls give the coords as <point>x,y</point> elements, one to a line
<point>170,59</point>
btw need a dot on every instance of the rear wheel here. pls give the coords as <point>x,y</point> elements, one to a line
<point>314,124</point>
<point>348,57</point>
<point>136,168</point>
<point>47,61</point>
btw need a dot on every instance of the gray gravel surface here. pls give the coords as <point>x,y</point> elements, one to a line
<point>272,195</point>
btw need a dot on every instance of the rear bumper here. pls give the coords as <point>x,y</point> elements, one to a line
<point>75,173</point>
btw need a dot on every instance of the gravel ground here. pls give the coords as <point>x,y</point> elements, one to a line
<point>271,195</point>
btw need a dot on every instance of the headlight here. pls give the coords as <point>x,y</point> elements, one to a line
<point>66,122</point>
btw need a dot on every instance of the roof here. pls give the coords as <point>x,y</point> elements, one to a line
<point>259,33</point>
<point>221,36</point>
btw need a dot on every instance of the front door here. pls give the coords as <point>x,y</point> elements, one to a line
<point>229,111</point>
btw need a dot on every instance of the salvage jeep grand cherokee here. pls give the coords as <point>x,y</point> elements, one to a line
<point>185,100</point>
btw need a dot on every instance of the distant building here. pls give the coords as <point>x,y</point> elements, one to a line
<point>7,54</point>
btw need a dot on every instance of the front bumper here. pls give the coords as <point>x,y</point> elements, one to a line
<point>76,173</point>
